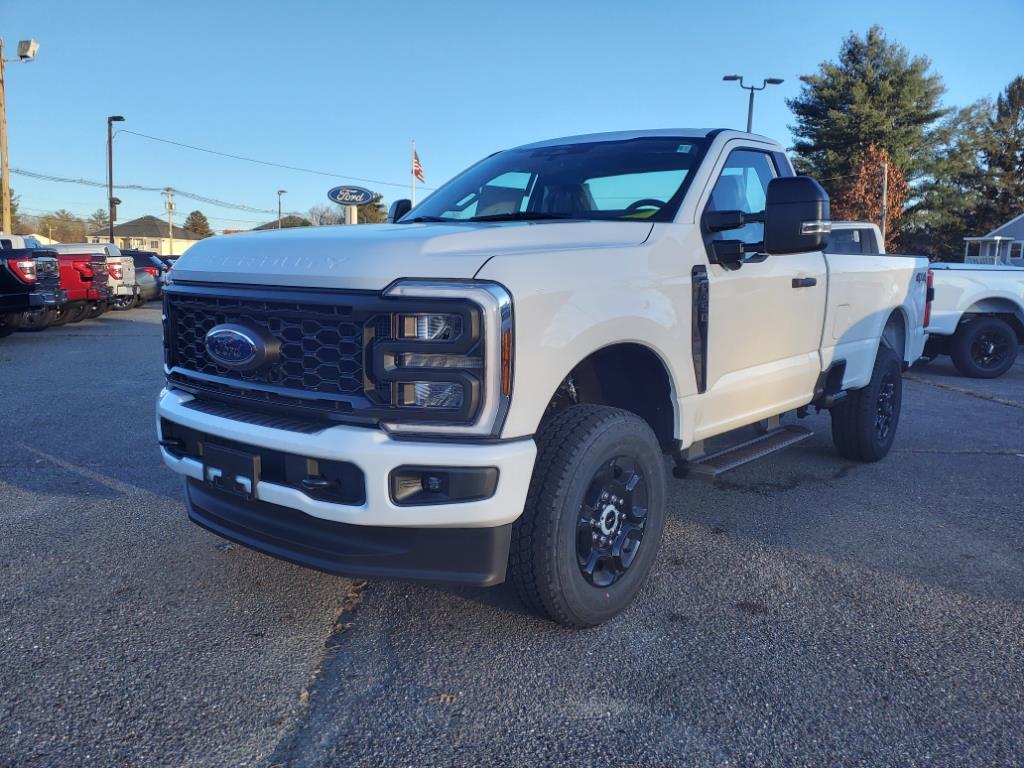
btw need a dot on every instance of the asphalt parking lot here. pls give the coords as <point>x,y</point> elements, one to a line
<point>804,610</point>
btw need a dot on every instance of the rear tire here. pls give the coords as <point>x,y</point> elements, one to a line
<point>123,303</point>
<point>864,422</point>
<point>984,348</point>
<point>95,311</point>
<point>593,519</point>
<point>7,326</point>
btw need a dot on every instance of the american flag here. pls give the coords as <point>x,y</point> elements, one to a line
<point>417,169</point>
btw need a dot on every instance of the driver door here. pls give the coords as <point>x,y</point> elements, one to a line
<point>764,317</point>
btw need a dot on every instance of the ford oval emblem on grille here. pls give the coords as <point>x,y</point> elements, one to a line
<point>240,347</point>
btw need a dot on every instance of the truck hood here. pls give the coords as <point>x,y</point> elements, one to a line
<point>371,256</point>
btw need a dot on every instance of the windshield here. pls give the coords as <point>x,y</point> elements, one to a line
<point>637,179</point>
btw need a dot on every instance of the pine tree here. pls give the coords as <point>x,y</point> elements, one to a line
<point>197,223</point>
<point>1003,154</point>
<point>98,220</point>
<point>875,94</point>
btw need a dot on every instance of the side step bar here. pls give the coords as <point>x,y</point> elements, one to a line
<point>711,465</point>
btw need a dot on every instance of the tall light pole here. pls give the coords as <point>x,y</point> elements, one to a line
<point>26,53</point>
<point>750,104</point>
<point>111,200</point>
<point>279,193</point>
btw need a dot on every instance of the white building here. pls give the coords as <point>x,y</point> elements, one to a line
<point>1003,245</point>
<point>148,233</point>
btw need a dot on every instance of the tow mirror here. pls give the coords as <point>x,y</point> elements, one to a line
<point>398,209</point>
<point>723,221</point>
<point>796,216</point>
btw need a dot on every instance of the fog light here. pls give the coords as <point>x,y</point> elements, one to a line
<point>430,394</point>
<point>412,486</point>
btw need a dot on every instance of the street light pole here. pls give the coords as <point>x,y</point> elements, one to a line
<point>111,200</point>
<point>26,53</point>
<point>279,193</point>
<point>750,102</point>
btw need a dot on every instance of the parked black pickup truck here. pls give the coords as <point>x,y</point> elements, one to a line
<point>30,292</point>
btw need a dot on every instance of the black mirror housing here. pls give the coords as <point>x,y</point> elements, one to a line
<point>796,216</point>
<point>398,209</point>
<point>723,221</point>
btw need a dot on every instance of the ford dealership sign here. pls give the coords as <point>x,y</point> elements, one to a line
<point>350,196</point>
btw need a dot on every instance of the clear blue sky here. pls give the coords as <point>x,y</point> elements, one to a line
<point>344,87</point>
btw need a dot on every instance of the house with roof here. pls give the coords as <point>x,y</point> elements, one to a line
<point>1003,245</point>
<point>148,233</point>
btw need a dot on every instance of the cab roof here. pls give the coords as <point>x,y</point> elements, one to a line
<point>682,133</point>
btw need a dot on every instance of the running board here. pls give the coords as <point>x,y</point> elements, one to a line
<point>711,465</point>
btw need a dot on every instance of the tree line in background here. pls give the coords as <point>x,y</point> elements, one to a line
<point>66,227</point>
<point>952,172</point>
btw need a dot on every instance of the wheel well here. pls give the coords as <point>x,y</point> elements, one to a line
<point>1005,310</point>
<point>894,334</point>
<point>627,376</point>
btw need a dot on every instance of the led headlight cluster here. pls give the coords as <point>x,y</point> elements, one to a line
<point>448,366</point>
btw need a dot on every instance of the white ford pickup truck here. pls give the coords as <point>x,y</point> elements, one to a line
<point>490,385</point>
<point>977,316</point>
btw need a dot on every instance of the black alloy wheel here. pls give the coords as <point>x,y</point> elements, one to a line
<point>990,348</point>
<point>610,526</point>
<point>885,417</point>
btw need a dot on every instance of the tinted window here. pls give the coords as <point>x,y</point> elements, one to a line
<point>845,241</point>
<point>642,178</point>
<point>743,186</point>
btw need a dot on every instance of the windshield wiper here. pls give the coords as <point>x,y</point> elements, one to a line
<point>422,219</point>
<point>519,216</point>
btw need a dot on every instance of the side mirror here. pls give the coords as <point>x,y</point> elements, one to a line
<point>398,209</point>
<point>796,216</point>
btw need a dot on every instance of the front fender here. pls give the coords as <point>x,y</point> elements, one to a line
<point>570,304</point>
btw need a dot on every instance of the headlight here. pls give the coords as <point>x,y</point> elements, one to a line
<point>446,368</point>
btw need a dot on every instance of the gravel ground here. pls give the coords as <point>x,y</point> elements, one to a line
<point>804,610</point>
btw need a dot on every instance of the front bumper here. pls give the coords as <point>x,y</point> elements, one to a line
<point>471,556</point>
<point>376,454</point>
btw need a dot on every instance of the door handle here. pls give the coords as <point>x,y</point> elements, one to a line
<point>804,282</point>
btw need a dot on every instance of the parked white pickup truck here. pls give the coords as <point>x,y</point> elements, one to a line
<point>977,317</point>
<point>489,385</point>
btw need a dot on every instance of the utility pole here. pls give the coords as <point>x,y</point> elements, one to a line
<point>5,172</point>
<point>111,200</point>
<point>885,198</point>
<point>168,194</point>
<point>26,53</point>
<point>750,102</point>
<point>279,193</point>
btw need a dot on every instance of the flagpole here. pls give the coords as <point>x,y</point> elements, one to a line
<point>412,170</point>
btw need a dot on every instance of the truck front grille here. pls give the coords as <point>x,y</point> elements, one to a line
<point>322,336</point>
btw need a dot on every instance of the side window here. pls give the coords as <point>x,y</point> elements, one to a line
<point>743,186</point>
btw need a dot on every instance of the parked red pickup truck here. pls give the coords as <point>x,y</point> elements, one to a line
<point>84,277</point>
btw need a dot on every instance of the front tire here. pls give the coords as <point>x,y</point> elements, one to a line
<point>594,516</point>
<point>37,320</point>
<point>864,422</point>
<point>984,348</point>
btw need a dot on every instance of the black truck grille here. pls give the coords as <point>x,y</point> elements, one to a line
<point>322,337</point>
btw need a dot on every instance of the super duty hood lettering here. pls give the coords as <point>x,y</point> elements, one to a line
<point>370,257</point>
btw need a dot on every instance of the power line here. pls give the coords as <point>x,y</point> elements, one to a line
<point>268,162</point>
<point>142,188</point>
